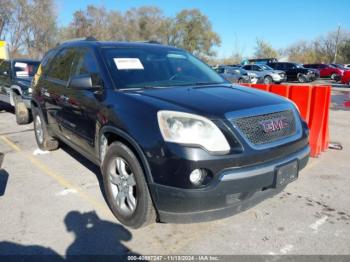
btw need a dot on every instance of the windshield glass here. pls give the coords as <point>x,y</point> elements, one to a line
<point>23,69</point>
<point>157,67</point>
<point>265,67</point>
<point>299,66</point>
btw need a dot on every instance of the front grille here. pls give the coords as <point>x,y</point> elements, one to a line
<point>263,129</point>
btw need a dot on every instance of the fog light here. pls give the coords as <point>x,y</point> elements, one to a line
<point>197,176</point>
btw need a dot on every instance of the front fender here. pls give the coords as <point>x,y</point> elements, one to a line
<point>132,142</point>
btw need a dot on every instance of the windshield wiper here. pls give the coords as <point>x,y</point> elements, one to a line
<point>207,83</point>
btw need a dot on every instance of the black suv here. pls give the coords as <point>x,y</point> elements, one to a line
<point>175,141</point>
<point>295,72</point>
<point>15,79</point>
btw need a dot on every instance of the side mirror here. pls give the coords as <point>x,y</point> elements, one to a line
<point>80,82</point>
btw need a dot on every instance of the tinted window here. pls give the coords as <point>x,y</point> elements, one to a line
<point>287,66</point>
<point>247,67</point>
<point>45,62</point>
<point>256,68</point>
<point>85,64</point>
<point>61,64</point>
<point>157,67</point>
<point>273,65</point>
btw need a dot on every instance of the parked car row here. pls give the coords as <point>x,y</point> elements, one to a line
<point>270,71</point>
<point>15,80</point>
<point>236,74</point>
<point>174,140</point>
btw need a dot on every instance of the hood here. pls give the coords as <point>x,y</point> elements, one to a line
<point>210,101</point>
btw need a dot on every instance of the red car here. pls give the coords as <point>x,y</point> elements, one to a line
<point>346,78</point>
<point>327,70</point>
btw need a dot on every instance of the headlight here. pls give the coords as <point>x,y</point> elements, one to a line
<point>30,90</point>
<point>190,129</point>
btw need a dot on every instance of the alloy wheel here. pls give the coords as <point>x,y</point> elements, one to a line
<point>39,129</point>
<point>123,185</point>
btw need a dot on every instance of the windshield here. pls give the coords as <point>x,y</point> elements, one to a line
<point>299,66</point>
<point>265,67</point>
<point>24,69</point>
<point>157,67</point>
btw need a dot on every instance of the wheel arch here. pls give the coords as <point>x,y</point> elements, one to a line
<point>113,134</point>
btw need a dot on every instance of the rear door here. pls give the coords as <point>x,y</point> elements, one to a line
<point>54,91</point>
<point>82,105</point>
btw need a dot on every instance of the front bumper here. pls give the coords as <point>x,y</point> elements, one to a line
<point>279,78</point>
<point>235,191</point>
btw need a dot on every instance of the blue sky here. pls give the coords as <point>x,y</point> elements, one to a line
<point>240,22</point>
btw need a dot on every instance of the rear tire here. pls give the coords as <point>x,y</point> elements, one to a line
<point>43,139</point>
<point>126,188</point>
<point>23,115</point>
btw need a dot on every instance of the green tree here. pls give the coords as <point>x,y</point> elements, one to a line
<point>193,31</point>
<point>264,49</point>
<point>144,24</point>
<point>6,9</point>
<point>344,51</point>
<point>40,34</point>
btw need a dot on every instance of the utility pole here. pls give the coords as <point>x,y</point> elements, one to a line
<point>336,45</point>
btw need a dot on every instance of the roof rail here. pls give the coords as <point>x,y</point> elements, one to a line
<point>89,38</point>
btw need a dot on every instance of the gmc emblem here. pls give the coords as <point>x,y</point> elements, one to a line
<point>275,124</point>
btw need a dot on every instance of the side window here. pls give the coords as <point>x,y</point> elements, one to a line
<point>255,68</point>
<point>247,67</point>
<point>45,62</point>
<point>61,65</point>
<point>86,64</point>
<point>288,66</point>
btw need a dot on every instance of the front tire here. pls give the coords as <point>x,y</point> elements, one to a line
<point>43,139</point>
<point>268,80</point>
<point>301,78</point>
<point>23,115</point>
<point>126,188</point>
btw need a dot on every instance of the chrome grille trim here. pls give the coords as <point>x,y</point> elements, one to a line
<point>232,117</point>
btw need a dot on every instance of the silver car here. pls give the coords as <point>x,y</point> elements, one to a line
<point>268,74</point>
<point>234,74</point>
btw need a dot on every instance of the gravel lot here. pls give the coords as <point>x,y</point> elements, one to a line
<point>52,204</point>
